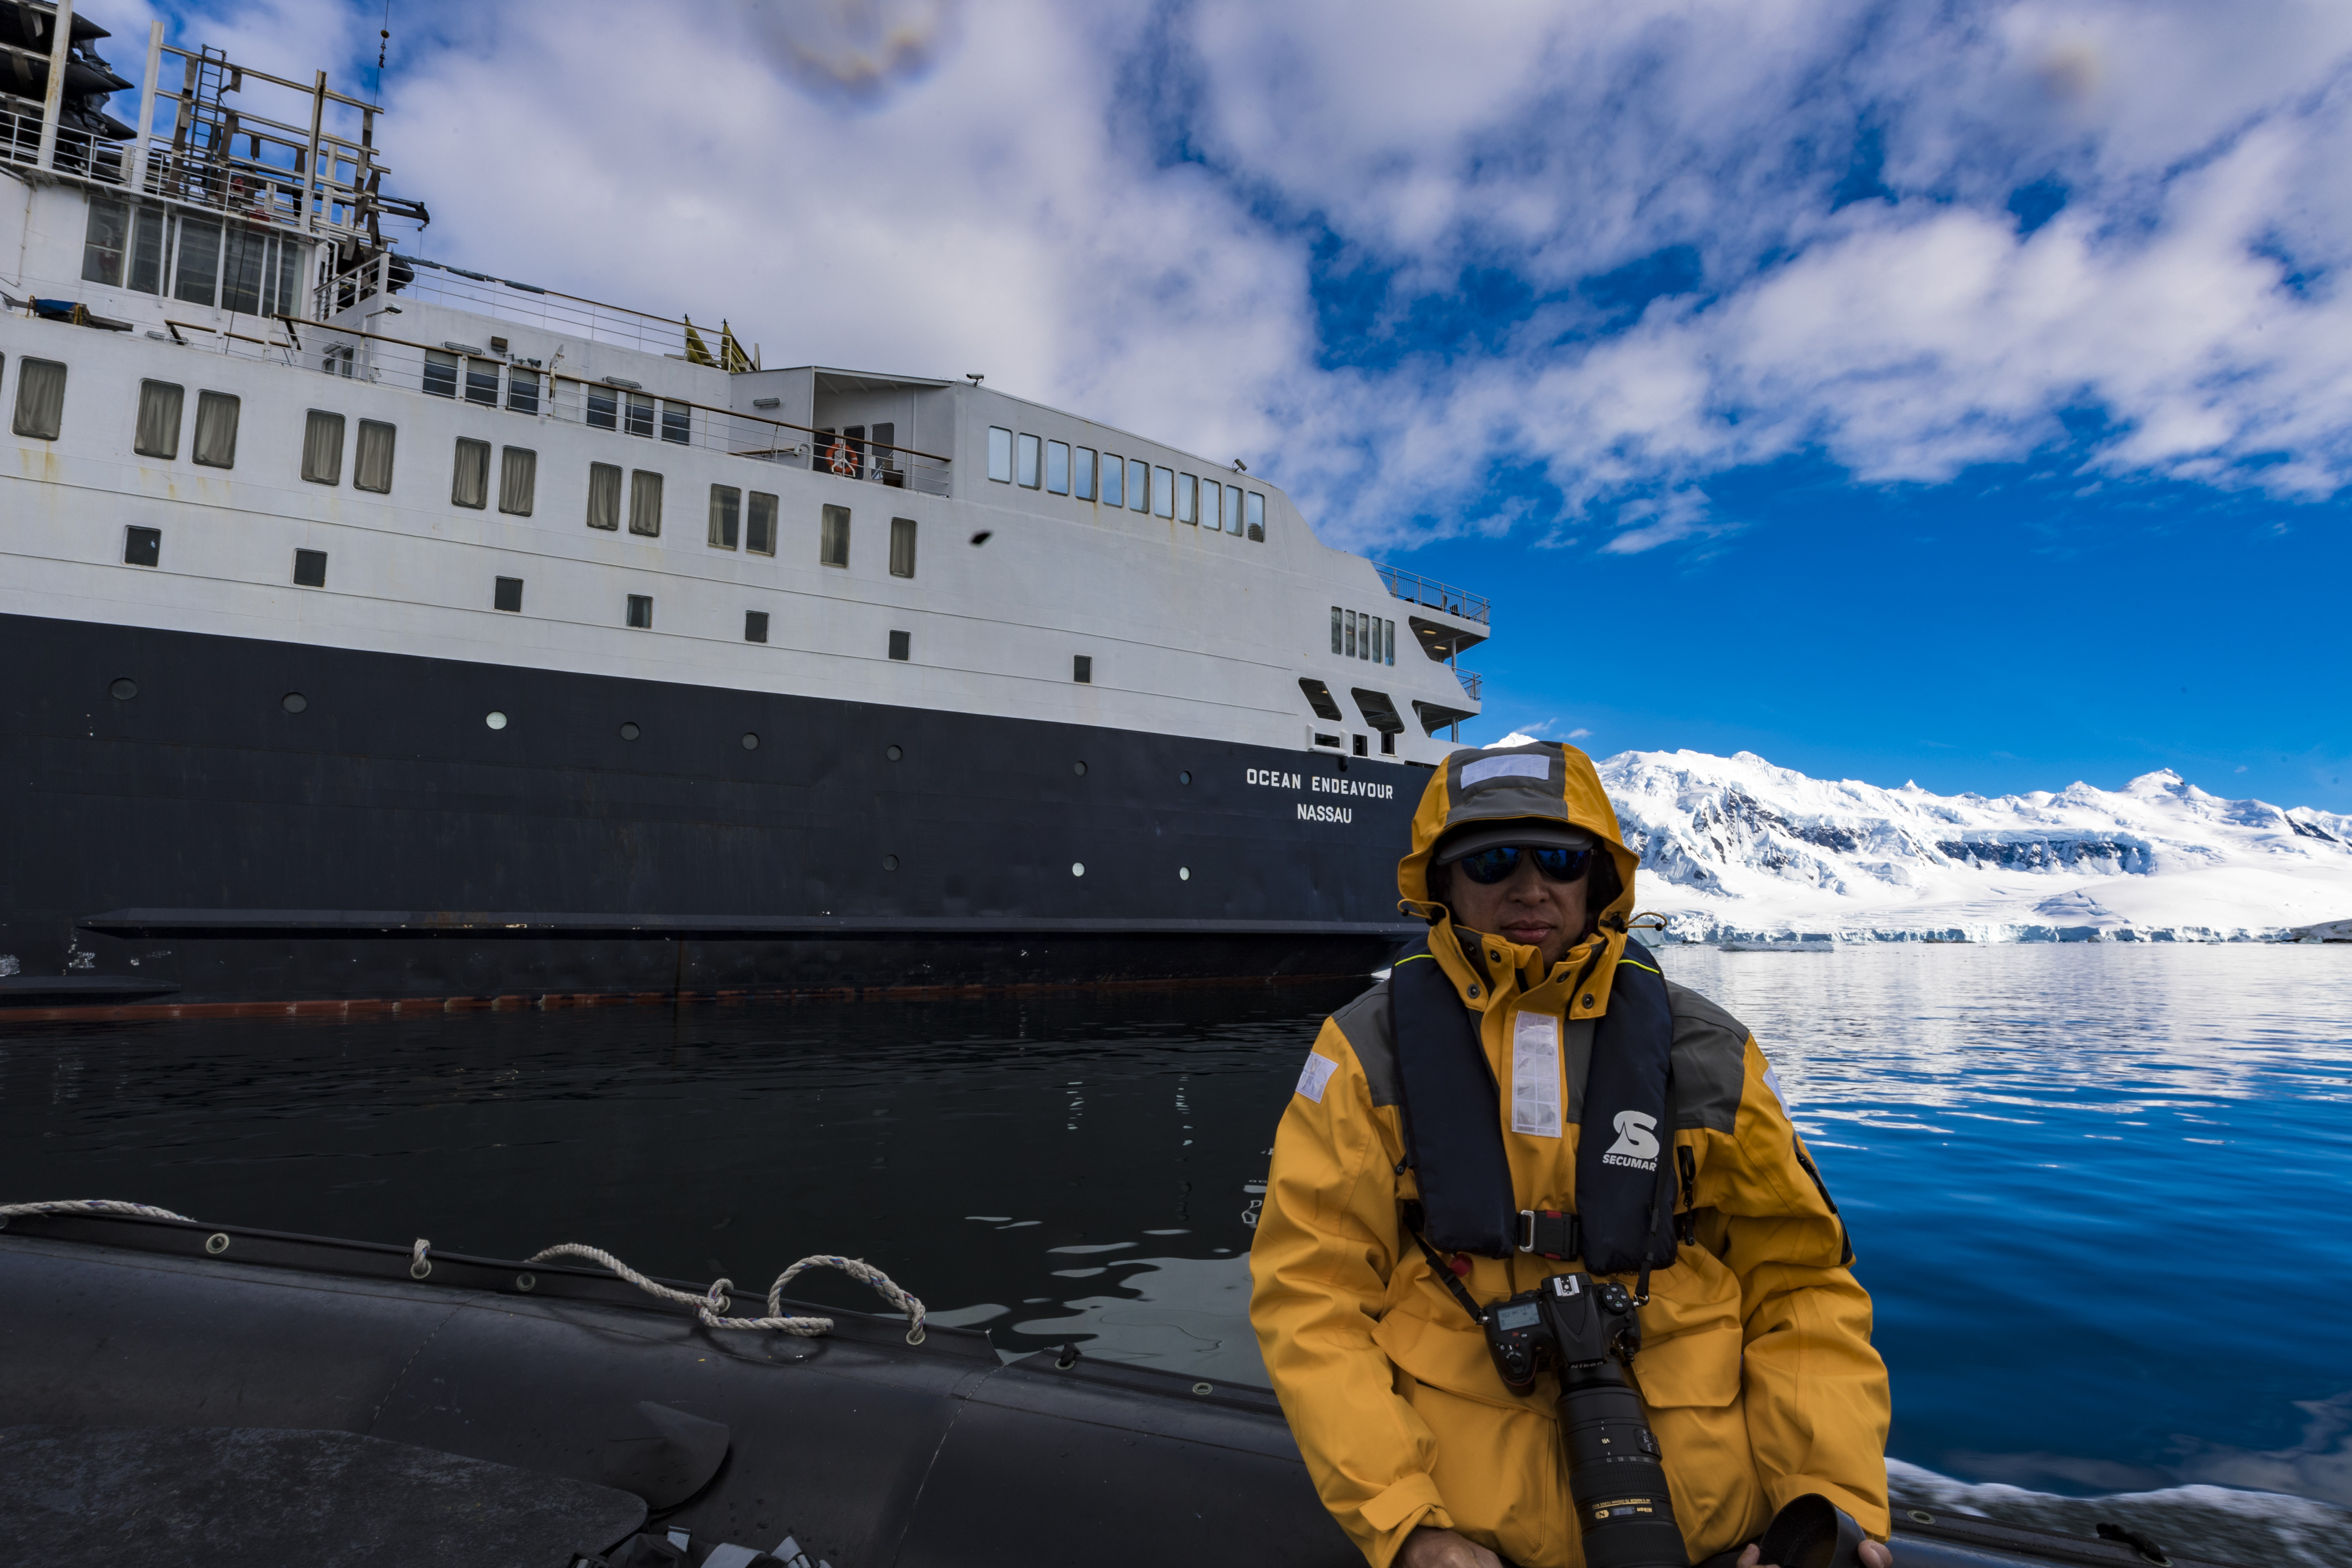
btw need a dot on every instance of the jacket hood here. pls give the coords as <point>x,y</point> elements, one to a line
<point>1552,783</point>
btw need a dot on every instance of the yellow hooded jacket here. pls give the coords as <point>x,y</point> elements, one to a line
<point>1756,1366</point>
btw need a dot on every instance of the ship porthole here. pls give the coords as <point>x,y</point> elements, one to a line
<point>630,732</point>
<point>124,689</point>
<point>1079,769</point>
<point>893,753</point>
<point>889,862</point>
<point>1183,873</point>
<point>293,702</point>
<point>1185,777</point>
<point>1078,867</point>
<point>750,742</point>
<point>495,720</point>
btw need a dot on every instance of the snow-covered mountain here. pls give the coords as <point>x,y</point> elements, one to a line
<point>1733,847</point>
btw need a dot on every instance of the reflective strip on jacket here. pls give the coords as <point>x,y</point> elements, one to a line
<point>1755,1365</point>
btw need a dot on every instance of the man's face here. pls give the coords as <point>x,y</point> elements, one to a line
<point>1524,907</point>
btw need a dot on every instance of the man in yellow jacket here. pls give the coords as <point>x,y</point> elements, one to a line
<point>1755,1365</point>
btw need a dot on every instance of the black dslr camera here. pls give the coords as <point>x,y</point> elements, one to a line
<point>1586,1329</point>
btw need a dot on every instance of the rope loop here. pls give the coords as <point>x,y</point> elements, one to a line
<point>89,1205</point>
<point>420,1265</point>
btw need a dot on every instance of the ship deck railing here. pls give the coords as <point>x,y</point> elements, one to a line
<point>1471,682</point>
<point>1416,589</point>
<point>526,304</point>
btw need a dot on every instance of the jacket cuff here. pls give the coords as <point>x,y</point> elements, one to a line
<point>1871,1514</point>
<point>1402,1508</point>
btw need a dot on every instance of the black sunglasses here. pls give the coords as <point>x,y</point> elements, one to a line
<point>1491,866</point>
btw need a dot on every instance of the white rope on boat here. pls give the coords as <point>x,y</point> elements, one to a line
<point>90,1205</point>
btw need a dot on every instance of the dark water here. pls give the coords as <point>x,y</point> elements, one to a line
<point>2099,1194</point>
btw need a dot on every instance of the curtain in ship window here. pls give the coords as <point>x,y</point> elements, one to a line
<point>104,241</point>
<point>726,515</point>
<point>146,252</point>
<point>372,470</point>
<point>832,538</point>
<point>469,484</point>
<point>196,279</point>
<point>518,480</point>
<point>244,253</point>
<point>322,449</point>
<point>902,547</point>
<point>645,503</point>
<point>603,496</point>
<point>759,536</point>
<point>41,398</point>
<point>216,414</point>
<point>158,435</point>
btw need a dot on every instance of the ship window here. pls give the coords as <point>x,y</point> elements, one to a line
<point>645,503</point>
<point>1082,474</point>
<point>1164,492</point>
<point>41,398</point>
<point>482,381</point>
<point>1000,454</point>
<point>1388,744</point>
<point>1318,697</point>
<point>832,538</point>
<point>604,408</point>
<point>197,276</point>
<point>641,413</point>
<point>1114,474</point>
<point>886,455</point>
<point>1188,499</point>
<point>1029,462</point>
<point>505,594</point>
<point>1379,711</point>
<point>158,435</point>
<point>902,646</point>
<point>641,612</point>
<point>677,423</point>
<point>1057,467</point>
<point>142,546</point>
<point>1350,651</point>
<point>1212,502</point>
<point>726,515</point>
<point>902,547</point>
<point>146,273</point>
<point>603,496</point>
<point>1256,516</point>
<point>104,241</point>
<point>759,536</point>
<point>372,467</point>
<point>322,447</point>
<point>440,373</point>
<point>1388,643</point>
<point>284,300</point>
<point>1138,484</point>
<point>245,265</point>
<point>1233,510</point>
<point>1336,644</point>
<point>522,391</point>
<point>309,568</point>
<point>216,414</point>
<point>518,480</point>
<point>755,626</point>
<point>470,481</point>
<point>1323,740</point>
<point>1082,668</point>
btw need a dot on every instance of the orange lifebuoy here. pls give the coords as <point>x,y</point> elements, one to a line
<point>844,462</point>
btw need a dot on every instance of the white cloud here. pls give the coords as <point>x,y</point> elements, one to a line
<point>1119,208</point>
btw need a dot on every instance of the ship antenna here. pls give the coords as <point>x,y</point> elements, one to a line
<point>383,41</point>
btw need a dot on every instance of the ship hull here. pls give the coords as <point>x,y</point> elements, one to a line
<point>264,821</point>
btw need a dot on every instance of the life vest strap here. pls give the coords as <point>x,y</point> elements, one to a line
<point>1547,1233</point>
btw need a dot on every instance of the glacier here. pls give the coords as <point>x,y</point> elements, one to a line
<point>1739,851</point>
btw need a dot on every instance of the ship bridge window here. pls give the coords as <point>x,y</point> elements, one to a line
<point>1114,476</point>
<point>322,447</point>
<point>1212,507</point>
<point>1256,516</point>
<point>440,373</point>
<point>217,417</point>
<point>645,503</point>
<point>197,277</point>
<point>832,538</point>
<point>902,547</point>
<point>1000,454</point>
<point>1188,499</point>
<point>105,241</point>
<point>372,466</point>
<point>1138,484</point>
<point>604,408</point>
<point>1029,462</point>
<point>518,480</point>
<point>1164,492</point>
<point>726,515</point>
<point>677,423</point>
<point>1082,474</point>
<point>1233,510</point>
<point>603,496</point>
<point>41,398</point>
<point>522,391</point>
<point>470,481</point>
<point>1057,467</point>
<point>482,381</point>
<point>641,413</point>
<point>760,530</point>
<point>1318,697</point>
<point>158,434</point>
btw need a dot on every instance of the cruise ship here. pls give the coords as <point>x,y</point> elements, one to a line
<point>380,631</point>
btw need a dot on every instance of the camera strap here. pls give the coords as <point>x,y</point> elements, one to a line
<point>1442,1266</point>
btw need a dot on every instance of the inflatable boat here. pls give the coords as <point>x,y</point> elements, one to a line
<point>176,1393</point>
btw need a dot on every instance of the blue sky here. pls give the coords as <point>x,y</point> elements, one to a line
<point>1955,391</point>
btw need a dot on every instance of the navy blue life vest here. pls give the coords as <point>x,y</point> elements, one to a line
<point>1454,1125</point>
